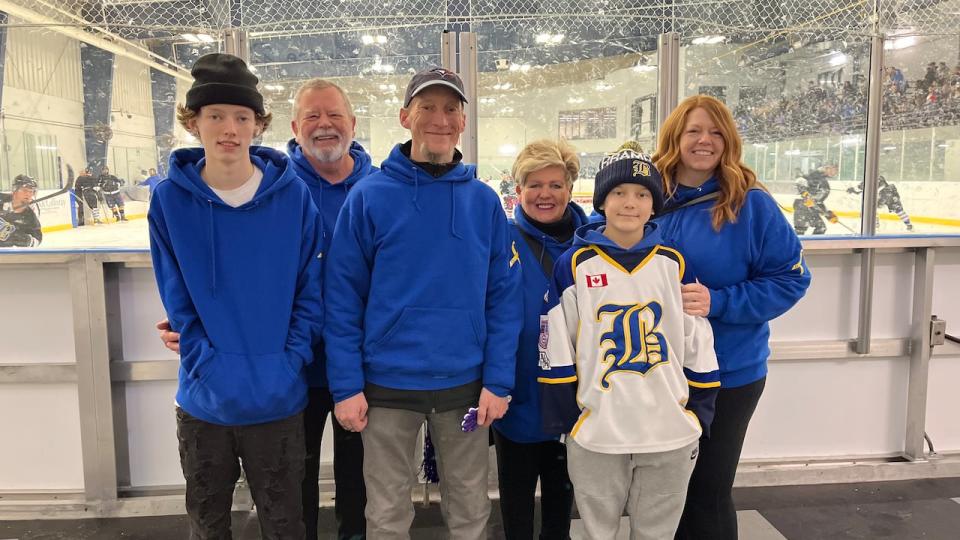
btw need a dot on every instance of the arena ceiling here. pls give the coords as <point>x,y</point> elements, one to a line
<point>295,39</point>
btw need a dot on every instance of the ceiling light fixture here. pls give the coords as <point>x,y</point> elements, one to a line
<point>708,40</point>
<point>546,38</point>
<point>838,59</point>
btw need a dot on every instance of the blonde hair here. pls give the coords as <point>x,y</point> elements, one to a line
<point>320,84</point>
<point>545,153</point>
<point>734,177</point>
<point>185,115</point>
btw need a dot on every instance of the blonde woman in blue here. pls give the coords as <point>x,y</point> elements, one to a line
<point>543,228</point>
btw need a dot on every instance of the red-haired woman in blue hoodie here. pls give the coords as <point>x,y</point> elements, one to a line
<point>750,267</point>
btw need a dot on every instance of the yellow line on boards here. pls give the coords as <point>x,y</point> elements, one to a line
<point>68,226</point>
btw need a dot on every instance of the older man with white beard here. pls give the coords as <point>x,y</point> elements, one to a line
<point>330,162</point>
<point>327,158</point>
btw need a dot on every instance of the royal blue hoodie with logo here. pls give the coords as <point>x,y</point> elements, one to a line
<point>242,286</point>
<point>522,422</point>
<point>753,267</point>
<point>422,285</point>
<point>329,200</point>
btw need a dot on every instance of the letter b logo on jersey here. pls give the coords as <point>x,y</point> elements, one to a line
<point>632,344</point>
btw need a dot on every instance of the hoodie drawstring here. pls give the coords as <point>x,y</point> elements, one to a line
<point>543,248</point>
<point>416,188</point>
<point>213,251</point>
<point>323,225</point>
<point>453,211</point>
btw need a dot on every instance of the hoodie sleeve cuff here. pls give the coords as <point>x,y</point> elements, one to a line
<point>343,396</point>
<point>498,391</point>
<point>718,302</point>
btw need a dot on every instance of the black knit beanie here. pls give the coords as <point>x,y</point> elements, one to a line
<point>627,167</point>
<point>223,79</point>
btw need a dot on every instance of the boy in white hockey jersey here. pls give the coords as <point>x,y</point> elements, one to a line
<point>625,373</point>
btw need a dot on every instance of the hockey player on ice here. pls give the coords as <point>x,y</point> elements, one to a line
<point>85,191</point>
<point>19,226</point>
<point>887,196</point>
<point>809,209</point>
<point>111,185</point>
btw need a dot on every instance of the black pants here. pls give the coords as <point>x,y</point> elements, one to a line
<point>806,217</point>
<point>709,512</point>
<point>350,492</point>
<point>90,197</point>
<point>519,465</point>
<point>113,200</point>
<point>77,195</point>
<point>272,457</point>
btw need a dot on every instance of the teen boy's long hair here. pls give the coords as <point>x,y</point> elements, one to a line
<point>734,177</point>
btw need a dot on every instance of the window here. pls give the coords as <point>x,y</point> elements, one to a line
<point>589,124</point>
<point>32,154</point>
<point>830,79</point>
<point>643,117</point>
<point>719,92</point>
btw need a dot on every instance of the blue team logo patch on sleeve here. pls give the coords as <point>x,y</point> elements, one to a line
<point>632,344</point>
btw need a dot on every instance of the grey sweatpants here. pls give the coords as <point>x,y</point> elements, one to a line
<point>388,470</point>
<point>652,487</point>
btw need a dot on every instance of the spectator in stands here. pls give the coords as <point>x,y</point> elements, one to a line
<point>899,82</point>
<point>817,109</point>
<point>930,77</point>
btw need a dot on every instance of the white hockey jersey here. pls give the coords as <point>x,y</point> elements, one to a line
<point>623,369</point>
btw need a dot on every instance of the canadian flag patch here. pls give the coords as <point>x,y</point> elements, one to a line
<point>598,280</point>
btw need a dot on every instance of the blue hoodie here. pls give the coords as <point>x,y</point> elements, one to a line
<point>329,200</point>
<point>422,284</point>
<point>754,269</point>
<point>242,286</point>
<point>522,422</point>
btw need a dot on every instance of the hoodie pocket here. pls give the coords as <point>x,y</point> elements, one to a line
<point>241,389</point>
<point>435,341</point>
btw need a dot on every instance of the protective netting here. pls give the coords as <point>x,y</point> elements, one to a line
<point>920,17</point>
<point>341,31</point>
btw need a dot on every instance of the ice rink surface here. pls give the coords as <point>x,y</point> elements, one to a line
<point>134,234</point>
<point>121,235</point>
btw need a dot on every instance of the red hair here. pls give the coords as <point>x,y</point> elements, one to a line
<point>734,177</point>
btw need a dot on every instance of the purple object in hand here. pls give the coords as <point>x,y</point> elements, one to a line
<point>469,420</point>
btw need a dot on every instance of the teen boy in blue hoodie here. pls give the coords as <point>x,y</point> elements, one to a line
<point>423,315</point>
<point>235,242</point>
<point>327,159</point>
